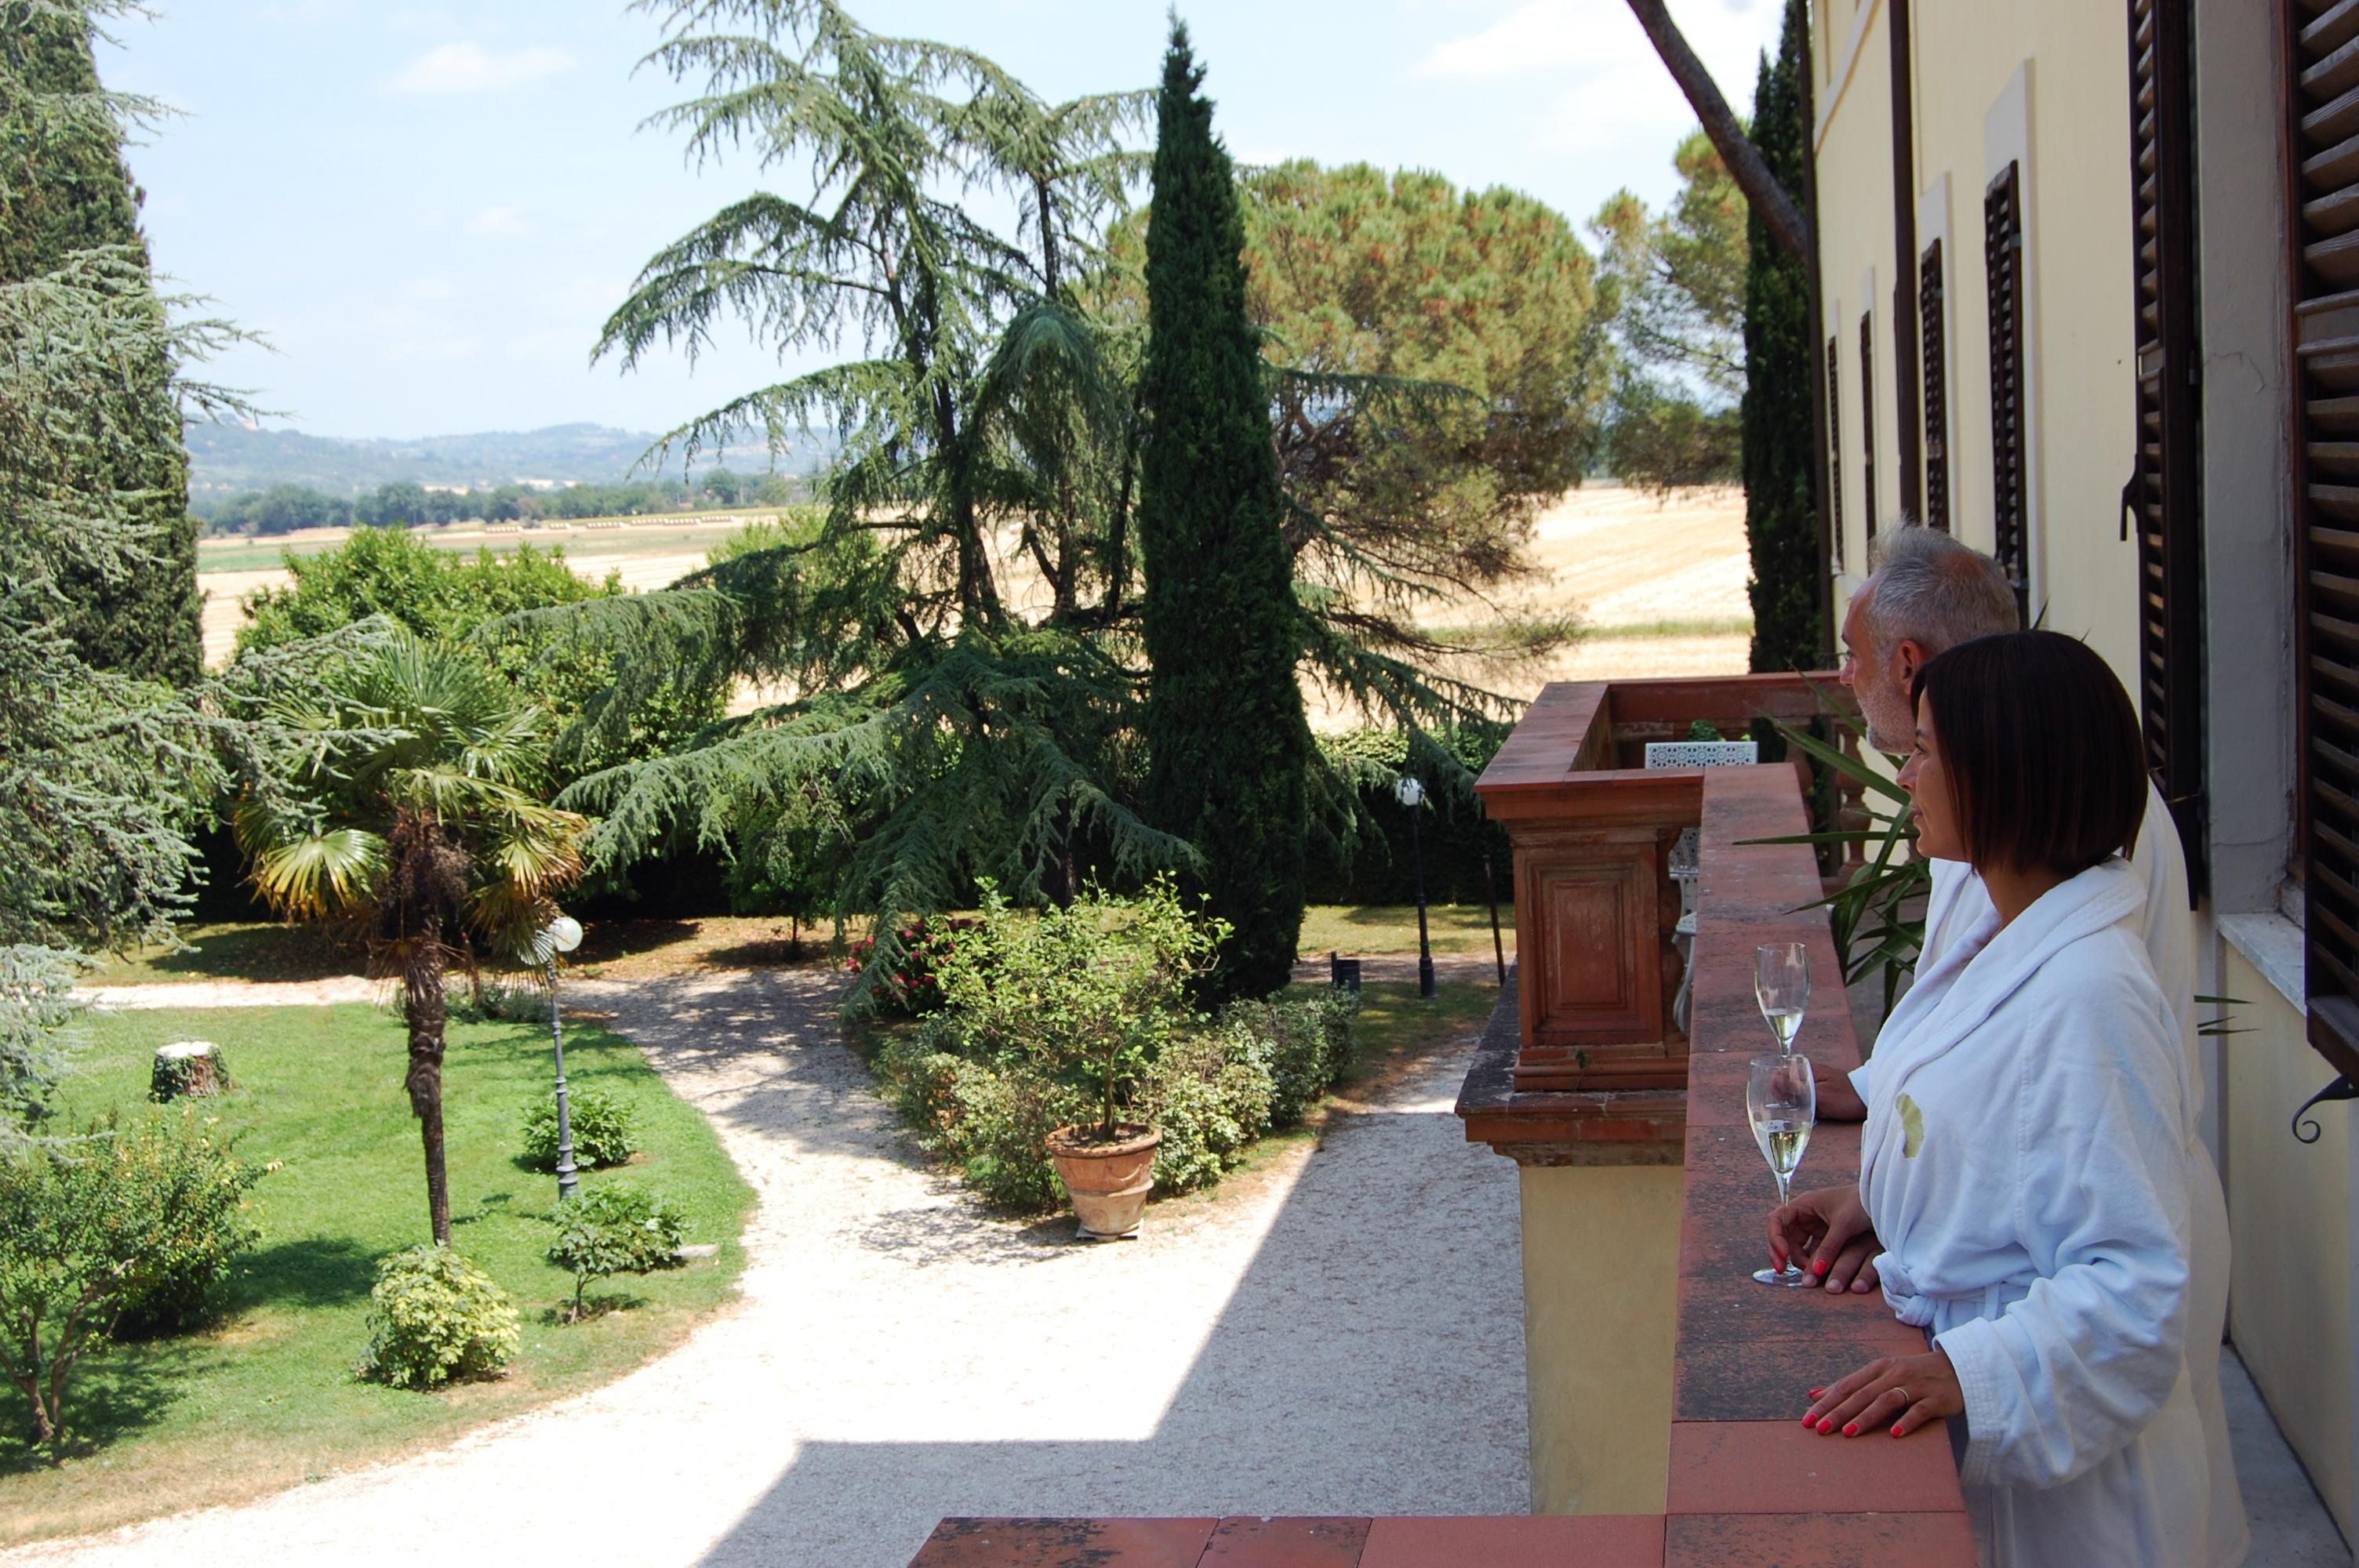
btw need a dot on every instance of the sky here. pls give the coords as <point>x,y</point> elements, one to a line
<point>429,213</point>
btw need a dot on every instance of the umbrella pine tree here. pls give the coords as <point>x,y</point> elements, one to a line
<point>1780,445</point>
<point>1228,746</point>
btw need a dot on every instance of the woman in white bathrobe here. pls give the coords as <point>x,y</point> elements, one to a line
<point>2023,1164</point>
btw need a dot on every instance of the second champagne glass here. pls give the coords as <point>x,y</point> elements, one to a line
<point>1781,983</point>
<point>1781,1100</point>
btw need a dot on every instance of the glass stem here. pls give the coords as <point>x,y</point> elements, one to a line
<point>1785,1181</point>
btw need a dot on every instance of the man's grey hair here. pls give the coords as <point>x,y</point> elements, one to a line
<point>1934,590</point>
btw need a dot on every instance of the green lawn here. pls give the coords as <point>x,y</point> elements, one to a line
<point>1397,1027</point>
<point>266,1399</point>
<point>235,950</point>
<point>1392,928</point>
<point>634,950</point>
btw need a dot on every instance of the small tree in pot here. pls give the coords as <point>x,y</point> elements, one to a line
<point>1085,998</point>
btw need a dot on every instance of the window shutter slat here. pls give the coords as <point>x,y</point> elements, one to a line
<point>2325,109</point>
<point>2003,269</point>
<point>1834,444</point>
<point>2159,503</point>
<point>1935,363</point>
<point>1867,427</point>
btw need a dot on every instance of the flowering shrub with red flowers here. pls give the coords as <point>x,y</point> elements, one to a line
<point>908,985</point>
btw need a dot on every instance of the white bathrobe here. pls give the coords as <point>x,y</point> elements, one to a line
<point>1960,903</point>
<point>2024,1163</point>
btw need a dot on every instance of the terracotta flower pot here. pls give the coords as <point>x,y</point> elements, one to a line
<point>1107,1182</point>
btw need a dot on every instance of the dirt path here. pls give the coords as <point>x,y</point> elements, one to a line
<point>233,993</point>
<point>1340,1332</point>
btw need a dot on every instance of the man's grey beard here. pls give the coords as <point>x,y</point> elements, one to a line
<point>1889,743</point>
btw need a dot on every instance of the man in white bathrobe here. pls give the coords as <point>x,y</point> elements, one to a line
<point>1926,593</point>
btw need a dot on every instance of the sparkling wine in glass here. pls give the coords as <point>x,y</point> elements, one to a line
<point>1781,1099</point>
<point>1781,983</point>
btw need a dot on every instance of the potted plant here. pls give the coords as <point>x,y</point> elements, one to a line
<point>1086,998</point>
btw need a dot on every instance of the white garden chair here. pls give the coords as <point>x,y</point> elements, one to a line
<point>1687,867</point>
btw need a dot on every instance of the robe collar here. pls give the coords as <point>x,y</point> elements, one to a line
<point>1975,977</point>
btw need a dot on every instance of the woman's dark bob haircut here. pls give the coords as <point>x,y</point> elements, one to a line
<point>2042,750</point>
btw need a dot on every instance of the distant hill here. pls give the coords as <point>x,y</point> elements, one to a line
<point>225,460</point>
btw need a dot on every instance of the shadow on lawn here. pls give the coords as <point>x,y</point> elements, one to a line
<point>112,1396</point>
<point>261,952</point>
<point>310,1270</point>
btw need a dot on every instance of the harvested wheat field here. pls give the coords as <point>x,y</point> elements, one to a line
<point>1657,584</point>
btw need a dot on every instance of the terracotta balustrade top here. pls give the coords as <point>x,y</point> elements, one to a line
<point>1595,832</point>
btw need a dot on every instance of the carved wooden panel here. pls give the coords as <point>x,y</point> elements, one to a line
<point>1599,969</point>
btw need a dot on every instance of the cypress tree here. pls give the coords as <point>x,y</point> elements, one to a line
<point>1781,512</point>
<point>64,188</point>
<point>1228,746</point>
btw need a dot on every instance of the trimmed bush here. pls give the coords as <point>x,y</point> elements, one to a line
<point>606,1131</point>
<point>1211,1099</point>
<point>616,1228</point>
<point>521,998</point>
<point>140,1218</point>
<point>435,1318</point>
<point>993,1123</point>
<point>1308,1044</point>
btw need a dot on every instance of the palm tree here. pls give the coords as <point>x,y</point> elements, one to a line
<point>417,818</point>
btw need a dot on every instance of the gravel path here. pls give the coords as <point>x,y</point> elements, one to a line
<point>1336,1331</point>
<point>233,993</point>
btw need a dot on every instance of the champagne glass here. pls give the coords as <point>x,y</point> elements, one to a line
<point>1781,1099</point>
<point>1781,983</point>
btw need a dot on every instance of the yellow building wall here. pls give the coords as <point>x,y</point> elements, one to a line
<point>1601,1276</point>
<point>2289,1307</point>
<point>2077,275</point>
<point>1854,192</point>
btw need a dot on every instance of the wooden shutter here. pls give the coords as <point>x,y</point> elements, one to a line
<point>1867,427</point>
<point>2003,270</point>
<point>2325,105</point>
<point>1834,449</point>
<point>1935,362</point>
<point>2160,501</point>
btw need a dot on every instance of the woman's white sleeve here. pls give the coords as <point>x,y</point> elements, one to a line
<point>2066,1377</point>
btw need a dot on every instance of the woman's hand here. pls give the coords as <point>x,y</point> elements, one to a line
<point>1906,1390</point>
<point>1829,1226</point>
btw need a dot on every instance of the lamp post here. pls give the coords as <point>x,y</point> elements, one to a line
<point>561,935</point>
<point>1411,793</point>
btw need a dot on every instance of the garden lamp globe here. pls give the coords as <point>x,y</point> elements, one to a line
<point>561,935</point>
<point>1411,793</point>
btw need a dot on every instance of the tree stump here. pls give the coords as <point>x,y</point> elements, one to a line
<point>189,1068</point>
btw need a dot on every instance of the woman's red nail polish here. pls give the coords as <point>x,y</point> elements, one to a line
<point>1816,1392</point>
<point>1896,1429</point>
<point>1825,1427</point>
<point>1852,1429</point>
<point>1820,1267</point>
